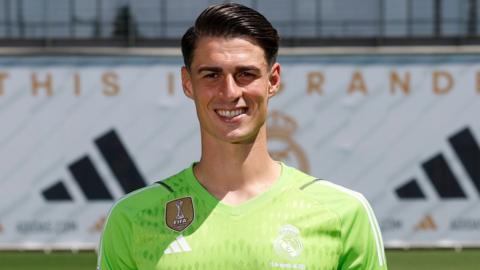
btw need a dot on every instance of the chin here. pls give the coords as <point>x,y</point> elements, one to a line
<point>241,137</point>
<point>245,134</point>
<point>236,139</point>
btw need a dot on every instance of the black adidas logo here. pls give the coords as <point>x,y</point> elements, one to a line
<point>88,179</point>
<point>441,176</point>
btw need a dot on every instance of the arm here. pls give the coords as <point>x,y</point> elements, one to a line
<point>115,251</point>
<point>362,240</point>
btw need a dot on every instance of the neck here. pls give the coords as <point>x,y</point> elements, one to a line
<point>235,173</point>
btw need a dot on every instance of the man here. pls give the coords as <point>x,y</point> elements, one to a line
<point>237,208</point>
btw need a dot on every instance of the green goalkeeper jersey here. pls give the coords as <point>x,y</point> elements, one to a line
<point>299,223</point>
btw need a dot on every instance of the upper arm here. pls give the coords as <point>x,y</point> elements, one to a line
<point>362,240</point>
<point>115,250</point>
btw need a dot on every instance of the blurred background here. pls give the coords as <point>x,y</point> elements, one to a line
<point>301,23</point>
<point>381,96</point>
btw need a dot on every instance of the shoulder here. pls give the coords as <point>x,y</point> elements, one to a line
<point>325,194</point>
<point>295,176</point>
<point>344,202</point>
<point>327,191</point>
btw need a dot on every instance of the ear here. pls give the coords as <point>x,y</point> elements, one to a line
<point>187,83</point>
<point>274,80</point>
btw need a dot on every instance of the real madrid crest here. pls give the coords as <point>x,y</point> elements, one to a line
<point>288,243</point>
<point>179,213</point>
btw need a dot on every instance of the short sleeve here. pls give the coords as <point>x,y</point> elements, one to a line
<point>361,237</point>
<point>115,250</point>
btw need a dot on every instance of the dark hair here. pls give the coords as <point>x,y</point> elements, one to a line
<point>231,20</point>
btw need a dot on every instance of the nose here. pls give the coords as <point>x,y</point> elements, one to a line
<point>230,89</point>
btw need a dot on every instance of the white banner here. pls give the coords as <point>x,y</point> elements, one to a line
<point>76,133</point>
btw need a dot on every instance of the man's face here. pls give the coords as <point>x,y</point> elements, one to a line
<point>230,82</point>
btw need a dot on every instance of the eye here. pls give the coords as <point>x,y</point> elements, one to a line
<point>245,77</point>
<point>245,74</point>
<point>211,75</point>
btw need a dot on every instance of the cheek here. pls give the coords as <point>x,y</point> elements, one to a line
<point>258,92</point>
<point>203,95</point>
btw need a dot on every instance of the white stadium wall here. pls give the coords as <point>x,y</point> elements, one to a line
<point>77,133</point>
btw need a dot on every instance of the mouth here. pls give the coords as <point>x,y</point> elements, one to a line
<point>230,114</point>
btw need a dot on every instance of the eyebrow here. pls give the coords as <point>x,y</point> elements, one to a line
<point>246,68</point>
<point>219,69</point>
<point>207,68</point>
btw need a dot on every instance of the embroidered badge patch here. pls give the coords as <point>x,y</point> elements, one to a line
<point>179,213</point>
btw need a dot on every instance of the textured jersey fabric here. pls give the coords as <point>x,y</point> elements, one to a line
<point>298,223</point>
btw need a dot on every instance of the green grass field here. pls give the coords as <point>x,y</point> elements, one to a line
<point>397,260</point>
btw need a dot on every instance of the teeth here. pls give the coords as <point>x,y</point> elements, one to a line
<point>230,113</point>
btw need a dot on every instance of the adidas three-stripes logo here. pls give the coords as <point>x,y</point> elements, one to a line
<point>441,176</point>
<point>87,177</point>
<point>178,245</point>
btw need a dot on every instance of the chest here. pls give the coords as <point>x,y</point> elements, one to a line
<point>289,237</point>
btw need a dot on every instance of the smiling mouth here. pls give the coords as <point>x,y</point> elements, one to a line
<point>231,113</point>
